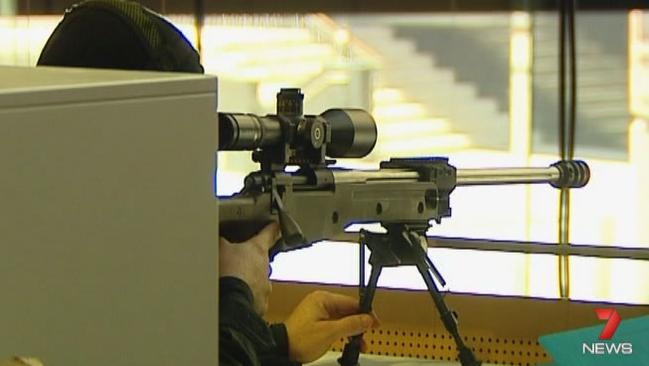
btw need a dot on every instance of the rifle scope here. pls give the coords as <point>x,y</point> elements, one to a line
<point>347,132</point>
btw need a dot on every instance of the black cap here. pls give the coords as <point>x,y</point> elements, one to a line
<point>117,34</point>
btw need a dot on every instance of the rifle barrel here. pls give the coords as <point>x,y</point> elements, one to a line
<point>465,177</point>
<point>362,176</point>
<point>492,176</point>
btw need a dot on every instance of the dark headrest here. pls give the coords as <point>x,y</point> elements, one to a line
<point>118,34</point>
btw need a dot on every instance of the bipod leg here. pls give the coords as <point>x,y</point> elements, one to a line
<point>353,347</point>
<point>467,358</point>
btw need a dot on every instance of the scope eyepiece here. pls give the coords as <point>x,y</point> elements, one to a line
<point>245,131</point>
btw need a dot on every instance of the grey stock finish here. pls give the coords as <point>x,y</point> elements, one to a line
<point>323,210</point>
<point>318,203</point>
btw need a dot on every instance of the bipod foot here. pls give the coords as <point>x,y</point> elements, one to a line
<point>351,352</point>
<point>467,358</point>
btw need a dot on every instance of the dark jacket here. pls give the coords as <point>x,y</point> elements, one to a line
<point>244,337</point>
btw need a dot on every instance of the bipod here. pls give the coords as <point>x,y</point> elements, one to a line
<point>402,245</point>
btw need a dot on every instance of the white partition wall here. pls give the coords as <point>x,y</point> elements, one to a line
<point>108,217</point>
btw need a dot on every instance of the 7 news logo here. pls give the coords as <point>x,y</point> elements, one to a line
<point>608,348</point>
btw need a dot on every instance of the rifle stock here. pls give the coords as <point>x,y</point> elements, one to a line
<point>322,202</point>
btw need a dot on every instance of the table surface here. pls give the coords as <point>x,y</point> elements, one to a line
<point>329,359</point>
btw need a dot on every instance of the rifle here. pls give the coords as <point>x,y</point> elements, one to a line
<point>318,201</point>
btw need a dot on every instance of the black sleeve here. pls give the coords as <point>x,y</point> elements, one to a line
<point>244,337</point>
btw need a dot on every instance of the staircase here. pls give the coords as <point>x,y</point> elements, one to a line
<point>458,45</point>
<point>405,128</point>
<point>472,120</point>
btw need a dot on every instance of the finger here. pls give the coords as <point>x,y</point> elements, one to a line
<point>338,305</point>
<point>350,325</point>
<point>267,236</point>
<point>377,322</point>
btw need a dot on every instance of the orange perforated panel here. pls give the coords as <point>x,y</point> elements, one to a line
<point>500,330</point>
<point>422,344</point>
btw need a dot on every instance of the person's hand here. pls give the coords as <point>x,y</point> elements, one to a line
<point>248,261</point>
<point>321,319</point>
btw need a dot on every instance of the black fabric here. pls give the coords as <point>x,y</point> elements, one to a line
<point>118,35</point>
<point>244,337</point>
<point>176,52</point>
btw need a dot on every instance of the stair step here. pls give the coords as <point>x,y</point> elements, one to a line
<point>398,111</point>
<point>489,35</point>
<point>418,76</point>
<point>456,102</point>
<point>413,128</point>
<point>387,95</point>
<point>431,88</point>
<point>423,145</point>
<point>416,62</point>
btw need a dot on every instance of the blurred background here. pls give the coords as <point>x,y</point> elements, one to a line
<point>477,84</point>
